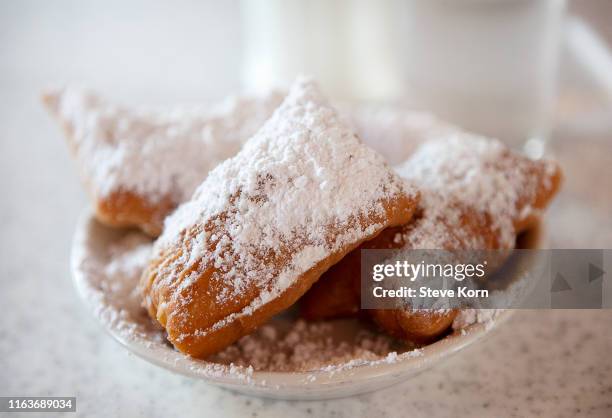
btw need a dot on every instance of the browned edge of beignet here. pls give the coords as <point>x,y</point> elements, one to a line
<point>122,209</point>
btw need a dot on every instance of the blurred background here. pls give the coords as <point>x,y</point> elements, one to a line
<point>489,65</point>
<point>521,70</point>
<point>537,74</point>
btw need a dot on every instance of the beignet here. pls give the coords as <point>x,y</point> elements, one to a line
<point>265,224</point>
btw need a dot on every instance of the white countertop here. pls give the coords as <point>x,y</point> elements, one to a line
<point>551,363</point>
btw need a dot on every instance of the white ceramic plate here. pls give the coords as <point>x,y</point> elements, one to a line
<point>117,306</point>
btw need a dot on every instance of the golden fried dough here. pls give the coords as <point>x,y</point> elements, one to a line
<point>418,326</point>
<point>265,224</point>
<point>338,293</point>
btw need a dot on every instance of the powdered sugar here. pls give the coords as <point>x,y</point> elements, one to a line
<point>154,153</point>
<point>390,358</point>
<point>300,187</point>
<point>467,317</point>
<point>301,346</point>
<point>111,286</point>
<point>466,171</point>
<point>108,266</point>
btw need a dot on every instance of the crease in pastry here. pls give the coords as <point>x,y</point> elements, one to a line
<point>475,194</point>
<point>265,224</point>
<point>139,164</point>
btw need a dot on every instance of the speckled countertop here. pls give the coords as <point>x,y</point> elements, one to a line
<point>540,363</point>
